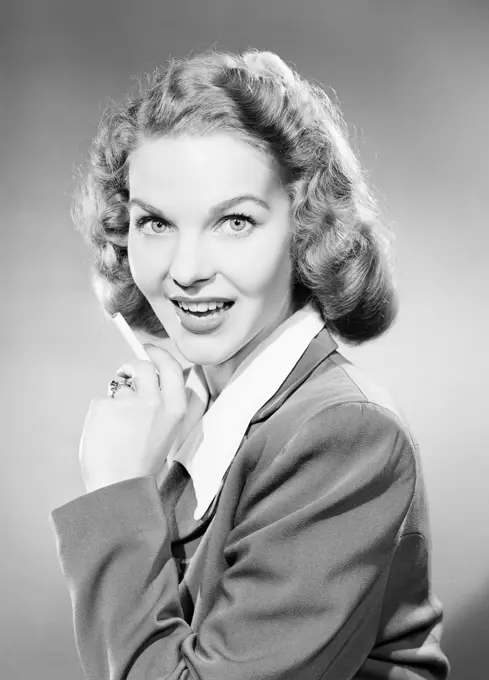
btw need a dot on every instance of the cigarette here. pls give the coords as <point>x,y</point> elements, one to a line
<point>130,338</point>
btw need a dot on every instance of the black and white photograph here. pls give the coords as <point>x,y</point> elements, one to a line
<point>245,266</point>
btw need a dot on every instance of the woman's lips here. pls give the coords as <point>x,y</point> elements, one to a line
<point>203,322</point>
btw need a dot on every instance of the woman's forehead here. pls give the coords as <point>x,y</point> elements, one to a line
<point>202,164</point>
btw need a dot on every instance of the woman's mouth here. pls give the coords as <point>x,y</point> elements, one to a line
<point>202,317</point>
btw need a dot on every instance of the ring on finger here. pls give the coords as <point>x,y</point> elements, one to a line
<point>116,385</point>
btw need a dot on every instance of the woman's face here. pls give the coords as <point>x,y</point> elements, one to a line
<point>209,220</point>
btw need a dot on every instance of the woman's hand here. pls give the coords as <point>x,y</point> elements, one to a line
<point>130,435</point>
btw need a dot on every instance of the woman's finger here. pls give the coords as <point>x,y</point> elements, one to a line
<point>143,376</point>
<point>172,384</point>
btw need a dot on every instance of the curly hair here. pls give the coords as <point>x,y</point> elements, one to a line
<point>340,249</point>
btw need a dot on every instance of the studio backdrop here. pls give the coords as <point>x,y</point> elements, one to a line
<point>412,79</point>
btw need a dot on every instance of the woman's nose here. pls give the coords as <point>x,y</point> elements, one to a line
<point>190,262</point>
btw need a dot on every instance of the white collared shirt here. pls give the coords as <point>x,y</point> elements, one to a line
<point>210,437</point>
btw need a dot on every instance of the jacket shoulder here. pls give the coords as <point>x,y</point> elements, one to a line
<point>338,381</point>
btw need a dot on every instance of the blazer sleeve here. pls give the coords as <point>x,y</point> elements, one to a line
<point>307,562</point>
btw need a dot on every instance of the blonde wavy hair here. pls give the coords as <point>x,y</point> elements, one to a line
<point>340,248</point>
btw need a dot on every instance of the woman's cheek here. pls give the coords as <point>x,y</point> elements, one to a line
<point>147,269</point>
<point>133,258</point>
<point>271,275</point>
<point>253,274</point>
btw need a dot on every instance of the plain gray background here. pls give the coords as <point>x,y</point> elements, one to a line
<point>412,77</point>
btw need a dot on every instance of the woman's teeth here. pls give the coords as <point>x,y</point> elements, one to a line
<point>201,306</point>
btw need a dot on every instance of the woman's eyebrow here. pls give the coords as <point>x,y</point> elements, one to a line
<point>231,202</point>
<point>147,207</point>
<point>215,210</point>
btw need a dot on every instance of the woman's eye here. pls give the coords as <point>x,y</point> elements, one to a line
<point>239,223</point>
<point>151,225</point>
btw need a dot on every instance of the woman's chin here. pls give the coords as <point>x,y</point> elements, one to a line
<point>201,358</point>
<point>193,351</point>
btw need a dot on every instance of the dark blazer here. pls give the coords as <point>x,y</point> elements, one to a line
<point>312,563</point>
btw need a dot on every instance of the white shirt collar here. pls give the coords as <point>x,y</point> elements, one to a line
<point>209,440</point>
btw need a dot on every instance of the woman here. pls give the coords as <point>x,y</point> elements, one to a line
<point>261,515</point>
